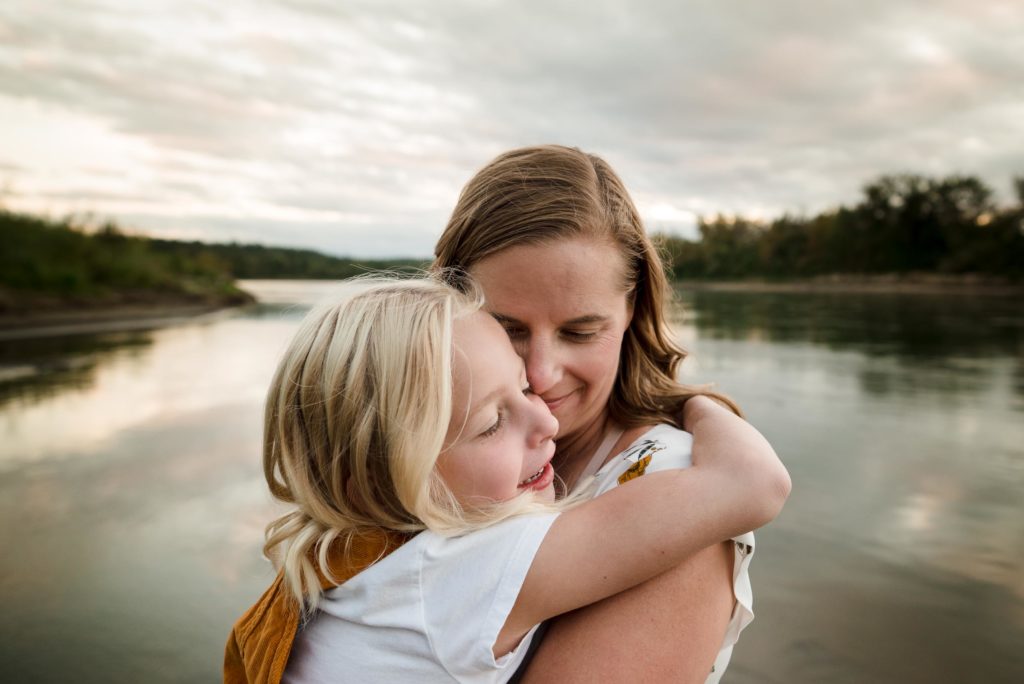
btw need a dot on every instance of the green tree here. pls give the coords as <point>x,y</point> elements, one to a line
<point>912,223</point>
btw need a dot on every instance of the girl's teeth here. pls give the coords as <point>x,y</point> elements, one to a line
<point>533,477</point>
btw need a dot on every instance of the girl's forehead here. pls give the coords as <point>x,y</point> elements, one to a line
<point>479,343</point>
<point>483,364</point>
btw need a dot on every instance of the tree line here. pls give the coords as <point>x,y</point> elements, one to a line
<point>60,259</point>
<point>902,224</point>
<point>55,262</point>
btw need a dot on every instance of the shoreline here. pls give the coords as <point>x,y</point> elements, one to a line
<point>39,315</point>
<point>73,318</point>
<point>59,323</point>
<point>910,284</point>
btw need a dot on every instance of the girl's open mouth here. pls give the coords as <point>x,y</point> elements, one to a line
<point>540,479</point>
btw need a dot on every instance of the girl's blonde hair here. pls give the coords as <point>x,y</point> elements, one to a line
<point>541,194</point>
<point>356,418</point>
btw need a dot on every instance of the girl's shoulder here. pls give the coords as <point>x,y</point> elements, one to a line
<point>430,557</point>
<point>435,606</point>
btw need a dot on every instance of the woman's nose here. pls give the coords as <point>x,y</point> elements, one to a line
<point>543,370</point>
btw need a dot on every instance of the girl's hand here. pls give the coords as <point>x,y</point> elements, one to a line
<point>724,441</point>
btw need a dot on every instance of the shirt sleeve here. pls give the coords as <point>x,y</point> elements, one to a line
<point>468,586</point>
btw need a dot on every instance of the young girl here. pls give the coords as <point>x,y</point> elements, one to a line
<point>425,544</point>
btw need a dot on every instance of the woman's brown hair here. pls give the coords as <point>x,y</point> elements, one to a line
<point>534,195</point>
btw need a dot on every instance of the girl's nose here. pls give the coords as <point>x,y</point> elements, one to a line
<point>543,371</point>
<point>545,425</point>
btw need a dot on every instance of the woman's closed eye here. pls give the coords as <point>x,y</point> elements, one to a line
<point>579,335</point>
<point>515,333</point>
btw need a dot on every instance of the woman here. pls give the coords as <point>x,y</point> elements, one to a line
<point>557,245</point>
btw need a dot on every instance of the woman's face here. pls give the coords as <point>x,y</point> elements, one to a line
<point>564,306</point>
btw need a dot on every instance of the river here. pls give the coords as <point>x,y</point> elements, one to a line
<point>133,502</point>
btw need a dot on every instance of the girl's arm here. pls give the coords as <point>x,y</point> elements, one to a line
<point>651,524</point>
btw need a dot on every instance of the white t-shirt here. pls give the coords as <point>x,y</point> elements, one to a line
<point>428,612</point>
<point>666,447</point>
<point>432,609</point>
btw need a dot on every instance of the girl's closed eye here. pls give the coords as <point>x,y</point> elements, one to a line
<point>499,421</point>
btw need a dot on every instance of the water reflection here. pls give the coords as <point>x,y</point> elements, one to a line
<point>33,369</point>
<point>95,386</point>
<point>914,328</point>
<point>913,344</point>
<point>903,431</point>
<point>178,370</point>
<point>130,478</point>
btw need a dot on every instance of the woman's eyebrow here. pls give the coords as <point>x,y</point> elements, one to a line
<point>584,320</point>
<point>579,320</point>
<point>504,320</point>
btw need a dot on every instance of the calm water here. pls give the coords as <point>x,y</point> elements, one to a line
<point>133,504</point>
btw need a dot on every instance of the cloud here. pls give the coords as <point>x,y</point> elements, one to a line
<point>294,115</point>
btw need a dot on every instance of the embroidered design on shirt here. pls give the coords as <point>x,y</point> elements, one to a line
<point>642,454</point>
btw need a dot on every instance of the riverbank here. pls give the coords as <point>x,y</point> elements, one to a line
<point>40,315</point>
<point>36,315</point>
<point>914,283</point>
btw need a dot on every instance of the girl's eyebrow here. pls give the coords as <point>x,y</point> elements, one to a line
<point>484,401</point>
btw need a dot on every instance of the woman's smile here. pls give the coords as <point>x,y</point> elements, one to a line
<point>564,306</point>
<point>554,400</point>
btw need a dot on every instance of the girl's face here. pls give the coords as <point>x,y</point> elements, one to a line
<point>501,438</point>
<point>564,306</point>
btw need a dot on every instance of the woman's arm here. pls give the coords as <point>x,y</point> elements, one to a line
<point>667,629</point>
<point>650,525</point>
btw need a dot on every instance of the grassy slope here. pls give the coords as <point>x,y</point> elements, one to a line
<point>48,264</point>
<point>56,265</point>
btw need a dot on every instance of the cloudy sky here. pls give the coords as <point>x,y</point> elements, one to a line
<point>350,126</point>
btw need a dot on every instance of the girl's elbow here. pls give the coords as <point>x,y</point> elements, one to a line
<point>774,490</point>
<point>783,486</point>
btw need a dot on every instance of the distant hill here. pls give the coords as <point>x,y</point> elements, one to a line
<point>60,264</point>
<point>259,261</point>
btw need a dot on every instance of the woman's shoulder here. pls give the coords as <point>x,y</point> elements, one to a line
<point>663,437</point>
<point>658,447</point>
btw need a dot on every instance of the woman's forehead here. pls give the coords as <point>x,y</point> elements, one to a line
<point>568,278</point>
